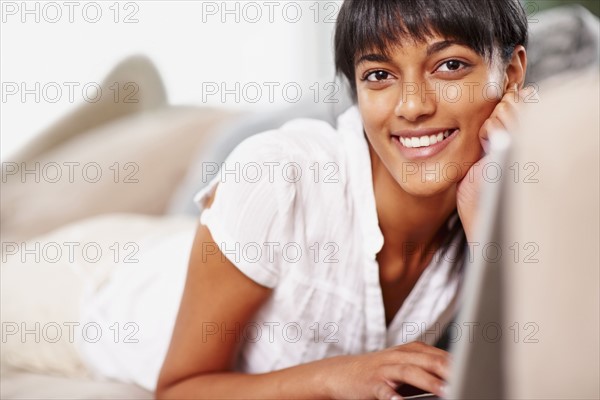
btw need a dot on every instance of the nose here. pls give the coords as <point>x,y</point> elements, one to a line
<point>417,100</point>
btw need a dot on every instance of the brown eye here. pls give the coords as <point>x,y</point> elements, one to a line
<point>377,76</point>
<point>451,65</point>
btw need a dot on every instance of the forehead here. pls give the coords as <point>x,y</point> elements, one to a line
<point>427,47</point>
<point>392,26</point>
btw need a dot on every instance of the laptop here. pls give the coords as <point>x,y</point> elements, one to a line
<point>473,336</point>
<point>477,353</point>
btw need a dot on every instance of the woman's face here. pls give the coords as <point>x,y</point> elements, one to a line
<point>422,108</point>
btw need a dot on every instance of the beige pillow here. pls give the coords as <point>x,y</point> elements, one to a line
<point>140,89</point>
<point>44,296</point>
<point>132,164</point>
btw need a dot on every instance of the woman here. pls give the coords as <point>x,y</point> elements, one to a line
<point>376,248</point>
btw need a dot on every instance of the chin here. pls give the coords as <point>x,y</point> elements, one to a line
<point>417,187</point>
<point>426,178</point>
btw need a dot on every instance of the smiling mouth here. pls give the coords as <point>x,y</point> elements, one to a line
<point>425,140</point>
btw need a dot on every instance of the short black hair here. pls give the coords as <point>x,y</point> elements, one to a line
<point>483,25</point>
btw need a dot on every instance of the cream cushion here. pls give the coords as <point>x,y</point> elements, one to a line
<point>50,290</point>
<point>132,164</point>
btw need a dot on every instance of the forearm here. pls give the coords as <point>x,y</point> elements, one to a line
<point>306,381</point>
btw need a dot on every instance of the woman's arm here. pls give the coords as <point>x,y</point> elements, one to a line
<point>199,361</point>
<point>216,296</point>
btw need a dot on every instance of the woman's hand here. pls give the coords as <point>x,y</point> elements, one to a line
<point>504,117</point>
<point>376,375</point>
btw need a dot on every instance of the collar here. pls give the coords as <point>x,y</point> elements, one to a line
<point>350,125</point>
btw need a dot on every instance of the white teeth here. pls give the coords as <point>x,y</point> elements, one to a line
<point>425,141</point>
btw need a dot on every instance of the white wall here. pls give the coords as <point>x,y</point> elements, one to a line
<point>187,40</point>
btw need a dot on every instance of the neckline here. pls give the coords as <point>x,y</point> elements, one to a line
<point>351,124</point>
<point>360,162</point>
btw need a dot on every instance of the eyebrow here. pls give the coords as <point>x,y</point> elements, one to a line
<point>373,57</point>
<point>431,49</point>
<point>439,46</point>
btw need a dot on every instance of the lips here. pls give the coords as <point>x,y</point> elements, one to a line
<point>423,143</point>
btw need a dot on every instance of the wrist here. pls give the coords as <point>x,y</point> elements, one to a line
<point>469,234</point>
<point>325,376</point>
<point>467,222</point>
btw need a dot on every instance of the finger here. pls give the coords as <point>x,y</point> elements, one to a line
<point>507,111</point>
<point>415,376</point>
<point>383,391</point>
<point>529,94</point>
<point>418,346</point>
<point>434,363</point>
<point>427,356</point>
<point>490,125</point>
<point>477,172</point>
<point>505,116</point>
<point>511,93</point>
<point>526,92</point>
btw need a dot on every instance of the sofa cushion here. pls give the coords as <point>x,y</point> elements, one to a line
<point>132,164</point>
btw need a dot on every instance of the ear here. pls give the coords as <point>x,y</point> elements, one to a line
<point>516,69</point>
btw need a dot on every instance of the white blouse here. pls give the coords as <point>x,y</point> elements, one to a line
<point>295,211</point>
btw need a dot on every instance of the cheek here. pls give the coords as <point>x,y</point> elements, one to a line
<point>376,108</point>
<point>485,98</point>
<point>474,108</point>
<point>471,111</point>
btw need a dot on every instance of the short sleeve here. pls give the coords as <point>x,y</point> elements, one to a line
<point>251,216</point>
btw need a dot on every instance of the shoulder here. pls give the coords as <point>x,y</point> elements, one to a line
<point>303,137</point>
<point>276,162</point>
<point>295,141</point>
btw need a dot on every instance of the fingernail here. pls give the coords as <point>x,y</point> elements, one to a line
<point>445,390</point>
